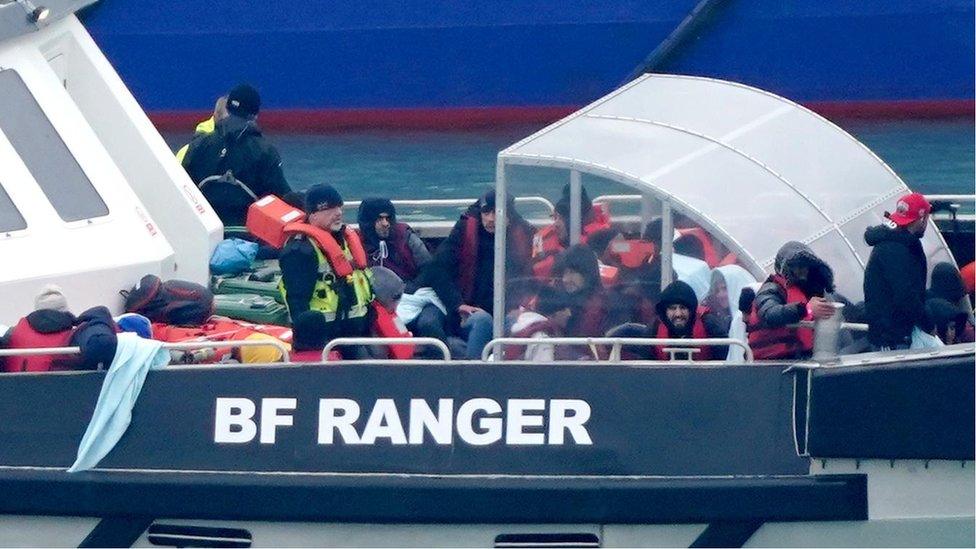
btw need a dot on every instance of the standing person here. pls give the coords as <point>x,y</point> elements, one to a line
<point>323,271</point>
<point>679,318</point>
<point>462,273</point>
<point>389,243</point>
<point>206,127</point>
<point>798,290</point>
<point>237,147</point>
<point>894,278</point>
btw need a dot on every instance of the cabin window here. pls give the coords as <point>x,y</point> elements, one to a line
<point>44,153</point>
<point>10,218</point>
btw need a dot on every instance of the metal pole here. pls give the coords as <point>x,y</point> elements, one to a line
<point>501,230</point>
<point>647,210</point>
<point>667,243</point>
<point>575,213</point>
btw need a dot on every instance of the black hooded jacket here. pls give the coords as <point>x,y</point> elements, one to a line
<point>681,293</point>
<point>894,286</point>
<point>946,283</point>
<point>771,305</point>
<point>589,304</point>
<point>402,240</point>
<point>236,145</point>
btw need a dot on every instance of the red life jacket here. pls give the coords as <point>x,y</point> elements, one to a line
<point>774,343</point>
<point>331,249</point>
<point>519,248</point>
<point>517,352</point>
<point>314,355</point>
<point>24,336</point>
<point>401,260</point>
<point>388,324</point>
<point>705,240</point>
<point>697,332</point>
<point>546,244</point>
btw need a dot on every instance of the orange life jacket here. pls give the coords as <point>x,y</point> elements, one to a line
<point>632,253</point>
<point>332,250</point>
<point>219,328</point>
<point>388,324</point>
<point>775,343</point>
<point>546,245</point>
<point>697,332</point>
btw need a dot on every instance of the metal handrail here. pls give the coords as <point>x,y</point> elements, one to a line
<point>852,326</point>
<point>385,341</point>
<point>959,197</point>
<point>178,346</point>
<point>616,342</point>
<point>459,202</point>
<point>609,198</point>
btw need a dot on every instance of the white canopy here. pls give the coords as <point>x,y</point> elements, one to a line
<point>752,168</point>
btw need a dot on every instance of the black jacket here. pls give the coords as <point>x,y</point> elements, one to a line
<point>894,286</point>
<point>236,145</point>
<point>771,306</point>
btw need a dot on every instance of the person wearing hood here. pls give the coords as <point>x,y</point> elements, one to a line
<point>577,272</point>
<point>51,324</point>
<point>462,272</point>
<point>949,322</point>
<point>549,319</point>
<point>679,317</point>
<point>552,240</point>
<point>721,302</point>
<point>800,289</point>
<point>236,146</point>
<point>324,271</point>
<point>389,243</point>
<point>895,275</point>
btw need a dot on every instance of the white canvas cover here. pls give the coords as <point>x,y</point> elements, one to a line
<point>752,168</point>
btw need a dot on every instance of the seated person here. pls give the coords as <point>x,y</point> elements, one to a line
<point>633,330</point>
<point>948,320</point>
<point>310,262</point>
<point>679,318</point>
<point>388,290</point>
<point>577,272</point>
<point>389,243</point>
<point>947,283</point>
<point>800,289</point>
<point>552,313</point>
<point>51,324</point>
<point>462,272</point>
<point>555,238</point>
<point>722,300</point>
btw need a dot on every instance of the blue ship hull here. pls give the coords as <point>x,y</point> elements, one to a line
<point>448,63</point>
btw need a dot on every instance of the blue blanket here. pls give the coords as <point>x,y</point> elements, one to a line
<point>134,357</point>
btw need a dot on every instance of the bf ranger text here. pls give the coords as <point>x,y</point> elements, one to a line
<point>477,421</point>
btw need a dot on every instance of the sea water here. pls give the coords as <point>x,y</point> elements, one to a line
<point>932,156</point>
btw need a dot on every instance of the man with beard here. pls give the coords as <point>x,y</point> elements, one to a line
<point>389,243</point>
<point>798,290</point>
<point>894,278</point>
<point>679,318</point>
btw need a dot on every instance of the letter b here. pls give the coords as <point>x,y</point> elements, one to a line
<point>234,412</point>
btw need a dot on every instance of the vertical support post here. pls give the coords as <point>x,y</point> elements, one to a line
<point>501,231</point>
<point>575,215</point>
<point>667,242</point>
<point>647,210</point>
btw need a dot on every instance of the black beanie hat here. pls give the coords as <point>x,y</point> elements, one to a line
<point>243,101</point>
<point>321,197</point>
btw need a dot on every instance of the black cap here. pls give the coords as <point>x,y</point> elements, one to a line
<point>321,197</point>
<point>243,101</point>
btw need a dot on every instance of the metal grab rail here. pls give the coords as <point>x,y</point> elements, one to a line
<point>852,326</point>
<point>617,343</point>
<point>180,346</point>
<point>959,197</point>
<point>385,341</point>
<point>610,198</point>
<point>459,202</point>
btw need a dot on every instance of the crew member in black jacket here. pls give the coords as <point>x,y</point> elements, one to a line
<point>237,146</point>
<point>894,279</point>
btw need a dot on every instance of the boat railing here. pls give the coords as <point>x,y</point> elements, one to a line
<point>179,346</point>
<point>386,342</point>
<point>460,202</point>
<point>852,326</point>
<point>674,347</point>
